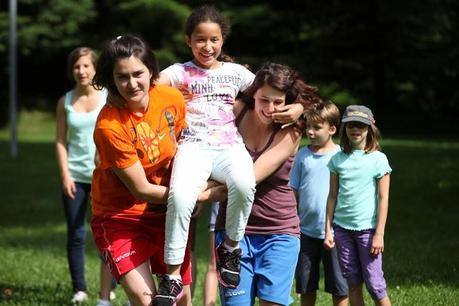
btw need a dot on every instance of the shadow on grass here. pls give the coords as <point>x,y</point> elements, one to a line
<point>421,244</point>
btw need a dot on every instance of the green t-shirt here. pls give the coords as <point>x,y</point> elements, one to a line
<point>80,143</point>
<point>358,173</point>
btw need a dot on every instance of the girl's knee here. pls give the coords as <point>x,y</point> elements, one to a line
<point>242,188</point>
<point>181,202</point>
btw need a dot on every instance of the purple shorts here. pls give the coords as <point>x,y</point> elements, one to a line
<point>356,262</point>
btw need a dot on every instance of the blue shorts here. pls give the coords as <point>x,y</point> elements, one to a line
<point>312,253</point>
<point>267,269</point>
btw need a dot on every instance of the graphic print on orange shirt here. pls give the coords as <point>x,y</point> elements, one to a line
<point>150,141</point>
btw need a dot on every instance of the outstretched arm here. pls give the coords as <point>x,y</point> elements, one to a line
<point>329,241</point>
<point>163,79</point>
<point>377,245</point>
<point>134,179</point>
<point>284,145</point>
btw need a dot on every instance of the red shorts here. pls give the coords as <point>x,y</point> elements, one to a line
<point>125,243</point>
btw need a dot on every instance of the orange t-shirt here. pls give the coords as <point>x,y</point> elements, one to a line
<point>122,139</point>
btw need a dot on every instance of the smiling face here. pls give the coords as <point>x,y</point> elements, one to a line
<point>206,43</point>
<point>83,70</point>
<point>132,79</point>
<point>267,100</point>
<point>357,133</point>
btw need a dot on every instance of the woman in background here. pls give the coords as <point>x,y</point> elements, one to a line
<point>76,116</point>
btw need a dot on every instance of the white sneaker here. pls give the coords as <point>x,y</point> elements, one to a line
<point>79,296</point>
<point>103,303</point>
<point>112,295</point>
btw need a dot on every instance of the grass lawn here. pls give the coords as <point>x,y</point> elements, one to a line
<point>421,259</point>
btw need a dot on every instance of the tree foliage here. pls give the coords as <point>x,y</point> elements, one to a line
<point>396,56</point>
<point>50,25</point>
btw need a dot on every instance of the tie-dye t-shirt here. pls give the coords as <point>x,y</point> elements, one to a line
<point>210,117</point>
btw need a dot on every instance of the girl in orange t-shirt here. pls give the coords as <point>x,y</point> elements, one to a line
<point>136,144</point>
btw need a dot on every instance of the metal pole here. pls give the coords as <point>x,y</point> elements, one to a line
<point>13,78</point>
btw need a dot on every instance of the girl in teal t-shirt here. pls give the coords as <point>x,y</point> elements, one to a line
<point>357,205</point>
<point>76,115</point>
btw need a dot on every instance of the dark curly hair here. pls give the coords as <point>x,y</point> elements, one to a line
<point>209,13</point>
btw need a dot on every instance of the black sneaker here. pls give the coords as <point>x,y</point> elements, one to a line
<point>228,266</point>
<point>169,291</point>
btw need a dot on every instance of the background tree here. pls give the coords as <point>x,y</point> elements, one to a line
<point>46,31</point>
<point>398,57</point>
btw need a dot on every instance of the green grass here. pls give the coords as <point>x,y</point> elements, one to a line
<point>421,259</point>
<point>33,126</point>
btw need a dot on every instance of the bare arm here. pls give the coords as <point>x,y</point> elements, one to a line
<point>68,185</point>
<point>377,246</point>
<point>285,144</point>
<point>134,179</point>
<point>163,79</point>
<point>97,158</point>
<point>217,193</point>
<point>237,107</point>
<point>329,241</point>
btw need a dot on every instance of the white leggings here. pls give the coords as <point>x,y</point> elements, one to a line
<point>193,166</point>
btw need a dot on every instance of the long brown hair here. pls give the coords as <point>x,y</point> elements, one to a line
<point>372,141</point>
<point>284,79</point>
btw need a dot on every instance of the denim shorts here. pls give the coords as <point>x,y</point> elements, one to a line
<point>357,263</point>
<point>312,253</point>
<point>267,269</point>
